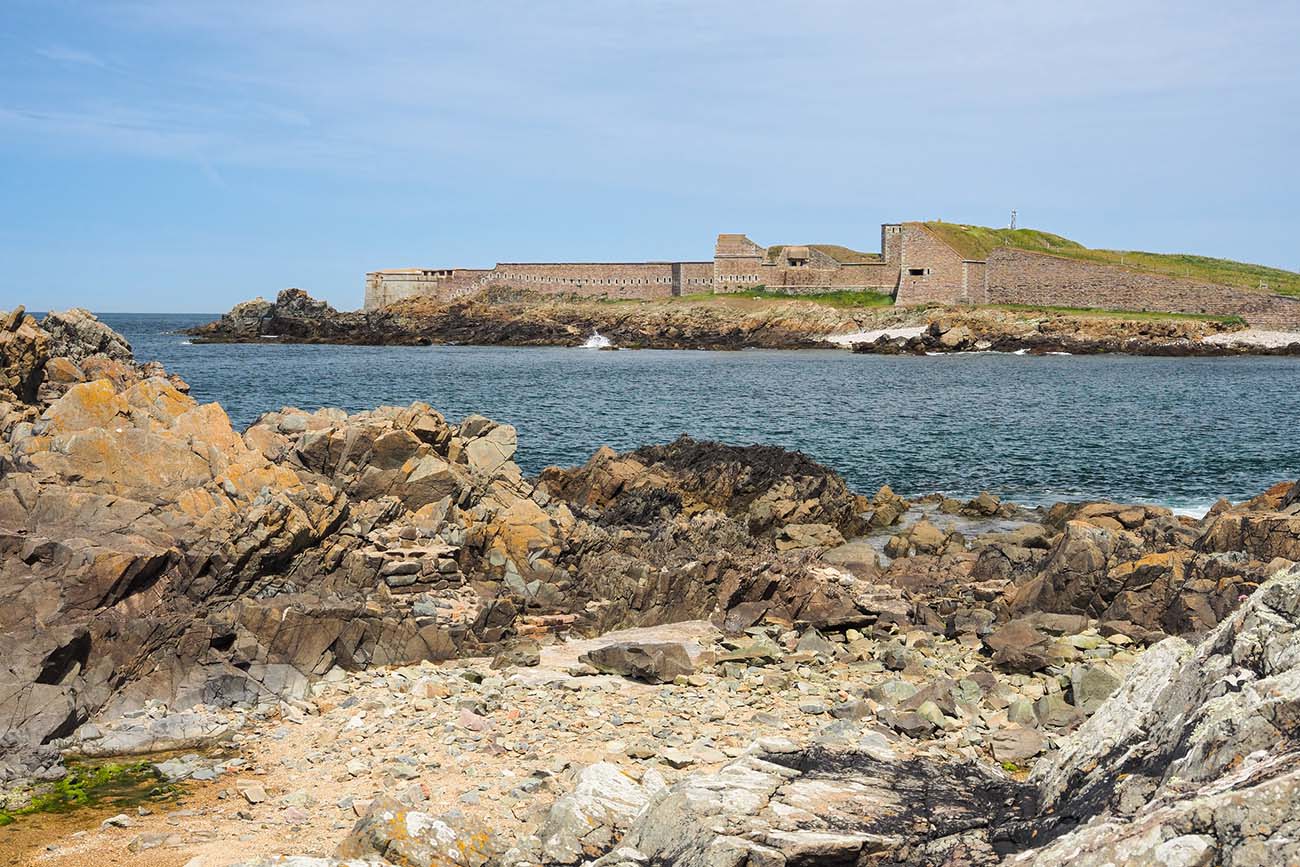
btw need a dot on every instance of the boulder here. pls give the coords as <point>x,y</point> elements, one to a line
<point>398,834</point>
<point>1019,646</point>
<point>654,662</point>
<point>518,654</point>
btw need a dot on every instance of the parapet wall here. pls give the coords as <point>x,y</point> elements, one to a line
<point>614,280</point>
<point>443,284</point>
<point>1041,279</point>
<point>864,277</point>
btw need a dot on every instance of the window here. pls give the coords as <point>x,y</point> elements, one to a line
<point>918,272</point>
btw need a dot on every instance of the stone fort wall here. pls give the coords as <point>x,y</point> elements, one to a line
<point>931,272</point>
<point>1022,277</point>
<point>915,264</point>
<point>613,280</point>
<point>389,287</point>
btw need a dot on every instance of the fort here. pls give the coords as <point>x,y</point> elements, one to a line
<point>918,263</point>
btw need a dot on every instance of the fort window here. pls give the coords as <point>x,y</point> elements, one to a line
<point>917,272</point>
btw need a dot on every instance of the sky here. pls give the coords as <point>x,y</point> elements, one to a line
<point>180,156</point>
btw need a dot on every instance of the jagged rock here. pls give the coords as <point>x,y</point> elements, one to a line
<point>140,533</point>
<point>796,536</point>
<point>76,335</point>
<point>1190,733</point>
<point>584,822</point>
<point>768,488</point>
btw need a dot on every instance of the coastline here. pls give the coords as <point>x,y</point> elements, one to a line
<point>722,323</point>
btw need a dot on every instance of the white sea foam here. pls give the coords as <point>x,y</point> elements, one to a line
<point>597,341</point>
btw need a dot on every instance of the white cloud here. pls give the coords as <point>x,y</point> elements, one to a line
<point>64,54</point>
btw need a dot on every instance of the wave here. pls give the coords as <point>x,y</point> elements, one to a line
<point>597,341</point>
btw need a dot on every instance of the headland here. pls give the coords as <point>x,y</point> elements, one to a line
<point>1002,289</point>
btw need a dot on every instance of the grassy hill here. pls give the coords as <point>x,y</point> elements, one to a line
<point>976,242</point>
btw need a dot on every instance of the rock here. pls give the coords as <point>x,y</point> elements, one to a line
<point>892,692</point>
<point>520,654</point>
<point>121,820</point>
<point>675,758</point>
<point>814,642</point>
<point>797,536</point>
<point>183,730</point>
<point>1053,710</point>
<point>858,806</point>
<point>583,823</point>
<point>77,335</point>
<point>401,835</point>
<point>925,537</point>
<point>1018,646</point>
<point>1016,744</point>
<point>1091,685</point>
<point>654,662</point>
<point>1189,732</point>
<point>252,791</point>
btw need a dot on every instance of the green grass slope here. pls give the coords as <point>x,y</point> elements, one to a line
<point>976,242</point>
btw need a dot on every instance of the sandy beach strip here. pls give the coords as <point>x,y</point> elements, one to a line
<point>1255,337</point>
<point>904,331</point>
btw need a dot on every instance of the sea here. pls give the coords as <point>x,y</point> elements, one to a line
<point>1034,429</point>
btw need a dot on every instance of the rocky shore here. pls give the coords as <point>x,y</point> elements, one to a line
<point>722,323</point>
<point>370,639</point>
<point>965,332</point>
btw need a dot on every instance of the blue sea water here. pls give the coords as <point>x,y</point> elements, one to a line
<point>1181,432</point>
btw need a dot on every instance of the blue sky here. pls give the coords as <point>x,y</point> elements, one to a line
<point>183,156</point>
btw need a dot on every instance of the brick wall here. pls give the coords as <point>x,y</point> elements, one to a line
<point>600,279</point>
<point>734,273</point>
<point>697,277</point>
<point>891,244</point>
<point>1022,277</point>
<point>388,287</point>
<point>943,274</point>
<point>975,283</point>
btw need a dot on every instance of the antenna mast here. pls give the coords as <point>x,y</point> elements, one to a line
<point>1013,219</point>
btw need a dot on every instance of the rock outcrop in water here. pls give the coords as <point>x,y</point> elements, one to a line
<point>720,323</point>
<point>869,670</point>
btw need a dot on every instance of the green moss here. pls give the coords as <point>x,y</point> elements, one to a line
<point>977,242</point>
<point>1011,767</point>
<point>86,784</point>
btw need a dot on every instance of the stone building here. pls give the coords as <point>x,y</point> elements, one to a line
<point>915,266</point>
